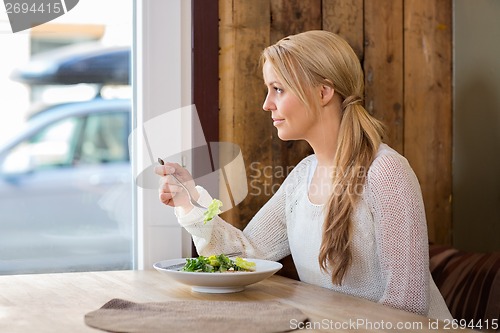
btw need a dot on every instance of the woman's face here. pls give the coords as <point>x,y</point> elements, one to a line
<point>289,115</point>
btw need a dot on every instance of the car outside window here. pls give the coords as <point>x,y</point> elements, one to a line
<point>65,192</point>
<point>104,139</point>
<point>51,147</point>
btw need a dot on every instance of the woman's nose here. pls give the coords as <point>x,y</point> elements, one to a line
<point>267,106</point>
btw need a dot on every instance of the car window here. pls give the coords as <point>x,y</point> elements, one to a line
<point>104,139</point>
<point>53,146</point>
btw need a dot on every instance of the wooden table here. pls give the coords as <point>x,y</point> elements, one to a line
<point>58,302</point>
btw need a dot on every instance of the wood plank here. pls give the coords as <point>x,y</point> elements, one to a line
<point>345,18</point>
<point>227,44</point>
<point>383,66</point>
<point>227,35</point>
<point>244,33</point>
<point>294,16</point>
<point>291,17</point>
<point>428,107</point>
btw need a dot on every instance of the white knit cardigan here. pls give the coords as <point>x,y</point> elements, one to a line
<point>390,258</point>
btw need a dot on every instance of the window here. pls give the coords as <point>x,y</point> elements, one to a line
<point>69,206</point>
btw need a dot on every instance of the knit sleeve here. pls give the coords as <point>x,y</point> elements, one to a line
<point>401,233</point>
<point>264,237</point>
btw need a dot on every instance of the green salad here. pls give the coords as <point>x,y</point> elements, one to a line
<point>218,264</point>
<point>212,210</point>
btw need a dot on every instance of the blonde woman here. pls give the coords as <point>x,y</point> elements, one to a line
<point>351,215</point>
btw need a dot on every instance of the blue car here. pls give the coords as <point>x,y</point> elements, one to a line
<point>66,191</point>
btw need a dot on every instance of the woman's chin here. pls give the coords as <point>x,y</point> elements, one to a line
<point>285,136</point>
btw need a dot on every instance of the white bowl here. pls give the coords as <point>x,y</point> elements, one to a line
<point>219,282</point>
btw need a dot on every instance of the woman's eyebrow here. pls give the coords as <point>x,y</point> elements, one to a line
<point>271,83</point>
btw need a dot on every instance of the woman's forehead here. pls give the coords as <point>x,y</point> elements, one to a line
<point>269,74</point>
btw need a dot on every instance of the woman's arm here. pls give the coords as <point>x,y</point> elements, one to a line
<point>401,233</point>
<point>264,237</point>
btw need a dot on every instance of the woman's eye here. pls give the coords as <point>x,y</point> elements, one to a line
<point>278,90</point>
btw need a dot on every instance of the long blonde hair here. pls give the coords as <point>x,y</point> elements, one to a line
<point>308,60</point>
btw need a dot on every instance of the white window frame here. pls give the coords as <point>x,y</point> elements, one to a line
<point>161,80</point>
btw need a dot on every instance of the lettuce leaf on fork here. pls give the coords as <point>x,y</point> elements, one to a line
<point>212,210</point>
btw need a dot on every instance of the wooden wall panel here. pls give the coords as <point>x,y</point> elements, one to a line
<point>244,31</point>
<point>428,110</point>
<point>383,66</point>
<point>345,18</point>
<point>292,17</point>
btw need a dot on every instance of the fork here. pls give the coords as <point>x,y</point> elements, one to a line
<point>193,202</point>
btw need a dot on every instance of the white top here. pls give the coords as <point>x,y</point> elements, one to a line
<point>390,257</point>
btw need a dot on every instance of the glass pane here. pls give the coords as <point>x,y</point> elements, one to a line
<point>104,139</point>
<point>65,174</point>
<point>53,146</point>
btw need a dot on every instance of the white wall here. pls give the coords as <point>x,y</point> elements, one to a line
<point>162,83</point>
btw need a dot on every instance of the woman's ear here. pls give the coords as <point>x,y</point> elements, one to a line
<point>326,94</point>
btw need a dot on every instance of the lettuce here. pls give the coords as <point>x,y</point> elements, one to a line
<point>244,264</point>
<point>217,264</point>
<point>212,210</point>
<point>200,264</point>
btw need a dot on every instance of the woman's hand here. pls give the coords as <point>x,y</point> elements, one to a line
<point>170,192</point>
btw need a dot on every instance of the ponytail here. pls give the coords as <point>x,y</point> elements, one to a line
<point>359,138</point>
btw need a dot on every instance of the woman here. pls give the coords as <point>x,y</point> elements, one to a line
<point>352,214</point>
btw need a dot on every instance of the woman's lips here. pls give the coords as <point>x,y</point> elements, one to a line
<point>277,121</point>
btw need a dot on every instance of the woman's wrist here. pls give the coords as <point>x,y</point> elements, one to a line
<point>184,210</point>
<point>201,196</point>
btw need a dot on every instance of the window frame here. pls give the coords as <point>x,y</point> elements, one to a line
<point>161,81</point>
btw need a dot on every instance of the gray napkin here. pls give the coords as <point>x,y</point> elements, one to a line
<point>192,316</point>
